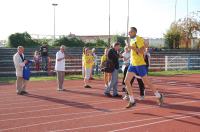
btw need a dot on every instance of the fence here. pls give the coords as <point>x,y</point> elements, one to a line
<point>182,63</point>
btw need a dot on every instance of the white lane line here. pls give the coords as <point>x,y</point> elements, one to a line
<point>80,105</point>
<point>67,106</point>
<point>60,96</point>
<point>54,91</point>
<point>79,96</point>
<point>92,116</point>
<point>125,122</point>
<point>77,87</point>
<point>63,95</point>
<point>162,121</point>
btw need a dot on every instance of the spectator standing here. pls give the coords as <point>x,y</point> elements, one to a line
<point>107,75</point>
<point>44,54</point>
<point>113,56</point>
<point>37,60</point>
<point>19,62</point>
<point>60,67</point>
<point>88,63</point>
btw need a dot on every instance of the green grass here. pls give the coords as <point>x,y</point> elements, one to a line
<point>79,77</point>
<point>171,73</point>
<point>45,78</point>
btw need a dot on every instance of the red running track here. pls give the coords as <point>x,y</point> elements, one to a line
<point>87,110</point>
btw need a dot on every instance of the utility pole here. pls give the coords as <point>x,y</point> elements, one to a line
<point>54,27</point>
<point>127,20</point>
<point>109,26</point>
<point>175,9</point>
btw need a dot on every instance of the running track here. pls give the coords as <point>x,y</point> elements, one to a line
<point>87,110</point>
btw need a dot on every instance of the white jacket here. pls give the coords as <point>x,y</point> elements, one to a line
<point>19,64</point>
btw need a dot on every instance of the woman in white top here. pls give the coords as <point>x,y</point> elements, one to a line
<point>60,67</point>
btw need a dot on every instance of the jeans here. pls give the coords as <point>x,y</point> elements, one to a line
<point>44,63</point>
<point>113,83</point>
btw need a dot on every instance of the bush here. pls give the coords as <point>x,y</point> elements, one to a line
<point>120,39</point>
<point>21,39</point>
<point>69,42</point>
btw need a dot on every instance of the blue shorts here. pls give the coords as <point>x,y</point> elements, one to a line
<point>138,70</point>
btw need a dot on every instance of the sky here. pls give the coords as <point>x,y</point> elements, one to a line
<point>90,17</point>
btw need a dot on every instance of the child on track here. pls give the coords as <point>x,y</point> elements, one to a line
<point>88,61</point>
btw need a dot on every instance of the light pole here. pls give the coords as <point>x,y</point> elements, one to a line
<point>187,33</point>
<point>127,21</point>
<point>109,25</point>
<point>175,9</point>
<point>54,27</point>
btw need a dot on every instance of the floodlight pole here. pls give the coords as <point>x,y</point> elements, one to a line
<point>54,35</point>
<point>109,26</point>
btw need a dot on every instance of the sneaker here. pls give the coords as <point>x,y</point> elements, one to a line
<point>141,98</point>
<point>62,89</point>
<point>160,100</point>
<point>24,92</point>
<point>91,78</point>
<point>87,86</point>
<point>130,104</point>
<point>108,94</point>
<point>19,93</point>
<point>126,97</point>
<point>117,96</point>
<point>124,89</point>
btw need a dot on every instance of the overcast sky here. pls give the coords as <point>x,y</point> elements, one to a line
<point>90,17</point>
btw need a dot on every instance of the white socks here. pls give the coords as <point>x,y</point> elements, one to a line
<point>157,94</point>
<point>132,100</point>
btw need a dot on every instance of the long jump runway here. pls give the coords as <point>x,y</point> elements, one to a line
<point>87,110</point>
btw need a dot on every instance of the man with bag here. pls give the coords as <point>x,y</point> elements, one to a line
<point>113,66</point>
<point>19,62</point>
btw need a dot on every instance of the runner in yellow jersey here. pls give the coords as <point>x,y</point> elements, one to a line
<point>138,67</point>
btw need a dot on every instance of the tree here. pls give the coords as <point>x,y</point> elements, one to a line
<point>100,43</point>
<point>173,36</point>
<point>120,39</point>
<point>69,42</point>
<point>21,39</point>
<point>186,26</point>
<point>182,30</point>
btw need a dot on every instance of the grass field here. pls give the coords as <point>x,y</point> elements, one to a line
<point>79,77</point>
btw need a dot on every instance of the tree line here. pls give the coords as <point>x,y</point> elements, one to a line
<point>25,39</point>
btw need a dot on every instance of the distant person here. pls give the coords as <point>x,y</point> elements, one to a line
<point>147,57</point>
<point>44,54</point>
<point>60,67</point>
<point>19,62</point>
<point>113,57</point>
<point>83,67</point>
<point>95,66</point>
<point>126,62</point>
<point>138,67</point>
<point>37,60</point>
<point>88,63</point>
<point>49,66</point>
<point>107,75</point>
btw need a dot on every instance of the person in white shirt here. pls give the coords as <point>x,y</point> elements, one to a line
<point>19,62</point>
<point>60,67</point>
<point>95,66</point>
<point>126,62</point>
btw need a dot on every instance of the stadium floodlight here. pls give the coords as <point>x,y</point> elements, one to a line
<point>54,27</point>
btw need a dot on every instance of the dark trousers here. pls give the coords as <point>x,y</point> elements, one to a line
<point>140,82</point>
<point>45,63</point>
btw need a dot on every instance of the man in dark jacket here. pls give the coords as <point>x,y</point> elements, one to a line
<point>44,54</point>
<point>113,56</point>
